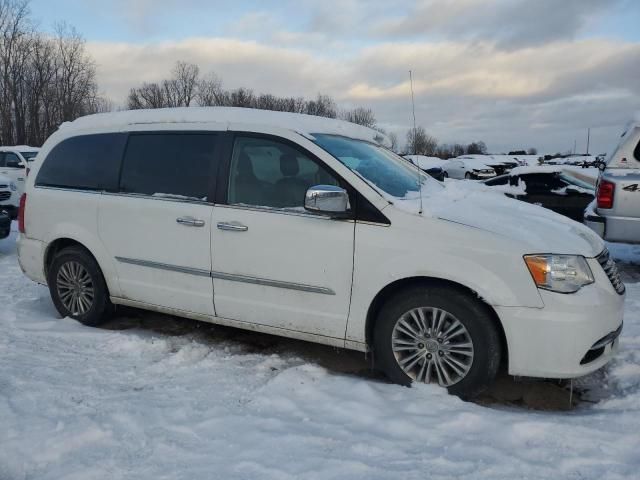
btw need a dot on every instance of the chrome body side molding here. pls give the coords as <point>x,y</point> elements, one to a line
<point>228,276</point>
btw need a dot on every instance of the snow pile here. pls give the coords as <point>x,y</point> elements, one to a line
<point>84,403</point>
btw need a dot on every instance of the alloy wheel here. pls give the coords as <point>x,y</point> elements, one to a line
<point>75,288</point>
<point>432,346</point>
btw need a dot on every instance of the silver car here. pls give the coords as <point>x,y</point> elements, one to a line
<point>615,213</point>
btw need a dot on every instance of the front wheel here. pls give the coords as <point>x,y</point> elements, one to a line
<point>467,176</point>
<point>77,287</point>
<point>439,335</point>
<point>446,175</point>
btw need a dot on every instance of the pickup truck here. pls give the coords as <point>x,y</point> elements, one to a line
<point>615,212</point>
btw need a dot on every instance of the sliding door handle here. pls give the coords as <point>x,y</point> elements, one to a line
<point>232,227</point>
<point>190,222</point>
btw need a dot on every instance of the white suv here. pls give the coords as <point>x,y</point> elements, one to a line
<point>14,162</point>
<point>309,228</point>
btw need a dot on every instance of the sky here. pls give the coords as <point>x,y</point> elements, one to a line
<point>513,73</point>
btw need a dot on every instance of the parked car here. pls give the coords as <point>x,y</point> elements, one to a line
<point>468,168</point>
<point>502,166</point>
<point>5,224</point>
<point>14,162</point>
<point>9,196</point>
<point>615,216</point>
<point>548,187</point>
<point>431,165</point>
<point>306,227</point>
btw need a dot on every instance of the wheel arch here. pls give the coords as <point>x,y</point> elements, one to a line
<point>393,288</point>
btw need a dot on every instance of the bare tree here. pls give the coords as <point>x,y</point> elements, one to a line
<point>457,150</point>
<point>322,106</point>
<point>209,92</point>
<point>420,143</point>
<point>476,148</point>
<point>393,138</point>
<point>44,80</point>
<point>360,116</point>
<point>532,151</point>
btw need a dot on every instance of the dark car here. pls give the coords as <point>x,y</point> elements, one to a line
<point>5,224</point>
<point>554,190</point>
<point>429,165</point>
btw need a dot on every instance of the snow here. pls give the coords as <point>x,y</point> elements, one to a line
<point>475,163</point>
<point>86,403</point>
<point>19,148</point>
<point>306,125</point>
<point>425,162</point>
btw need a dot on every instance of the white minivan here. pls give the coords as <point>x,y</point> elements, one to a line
<point>310,228</point>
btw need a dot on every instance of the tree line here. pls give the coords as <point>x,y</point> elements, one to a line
<point>44,79</point>
<point>419,142</point>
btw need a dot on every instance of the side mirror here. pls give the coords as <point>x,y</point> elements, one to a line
<point>327,199</point>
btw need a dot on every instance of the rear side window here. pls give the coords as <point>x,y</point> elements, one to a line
<point>636,152</point>
<point>172,165</point>
<point>87,162</point>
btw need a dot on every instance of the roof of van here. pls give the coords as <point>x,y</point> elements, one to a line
<point>304,124</point>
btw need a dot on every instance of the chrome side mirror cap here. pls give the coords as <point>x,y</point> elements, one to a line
<point>328,200</point>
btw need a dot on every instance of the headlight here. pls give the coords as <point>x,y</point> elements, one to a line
<point>559,273</point>
<point>13,186</point>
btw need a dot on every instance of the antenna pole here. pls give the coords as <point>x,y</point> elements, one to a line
<point>419,174</point>
<point>588,138</point>
<point>413,108</point>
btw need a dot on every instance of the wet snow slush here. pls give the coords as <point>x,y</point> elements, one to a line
<point>205,402</point>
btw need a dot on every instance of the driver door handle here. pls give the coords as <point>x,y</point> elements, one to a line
<point>232,226</point>
<point>190,222</point>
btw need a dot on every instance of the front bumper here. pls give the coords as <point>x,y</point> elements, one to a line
<point>573,335</point>
<point>482,176</point>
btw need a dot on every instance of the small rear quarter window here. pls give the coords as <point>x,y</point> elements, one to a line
<point>86,162</point>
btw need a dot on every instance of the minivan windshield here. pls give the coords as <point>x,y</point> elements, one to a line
<point>378,166</point>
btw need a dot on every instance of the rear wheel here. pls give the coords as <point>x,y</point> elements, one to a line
<point>77,287</point>
<point>437,335</point>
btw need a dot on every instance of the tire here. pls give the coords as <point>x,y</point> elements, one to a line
<point>480,361</point>
<point>446,175</point>
<point>74,272</point>
<point>467,176</point>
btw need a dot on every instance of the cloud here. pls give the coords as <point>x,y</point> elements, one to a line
<point>544,95</point>
<point>508,23</point>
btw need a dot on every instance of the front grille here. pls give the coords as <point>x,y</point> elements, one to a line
<point>2,185</point>
<point>611,269</point>
<point>4,196</point>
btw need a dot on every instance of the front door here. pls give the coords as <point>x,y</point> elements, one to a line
<point>274,263</point>
<point>157,226</point>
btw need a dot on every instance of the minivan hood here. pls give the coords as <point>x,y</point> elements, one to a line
<point>537,229</point>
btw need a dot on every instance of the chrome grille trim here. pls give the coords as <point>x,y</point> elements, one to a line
<point>611,269</point>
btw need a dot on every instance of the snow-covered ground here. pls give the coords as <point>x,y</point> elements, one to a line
<point>142,403</point>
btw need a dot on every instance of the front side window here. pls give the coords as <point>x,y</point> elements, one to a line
<point>268,173</point>
<point>377,165</point>
<point>87,162</point>
<point>171,165</point>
